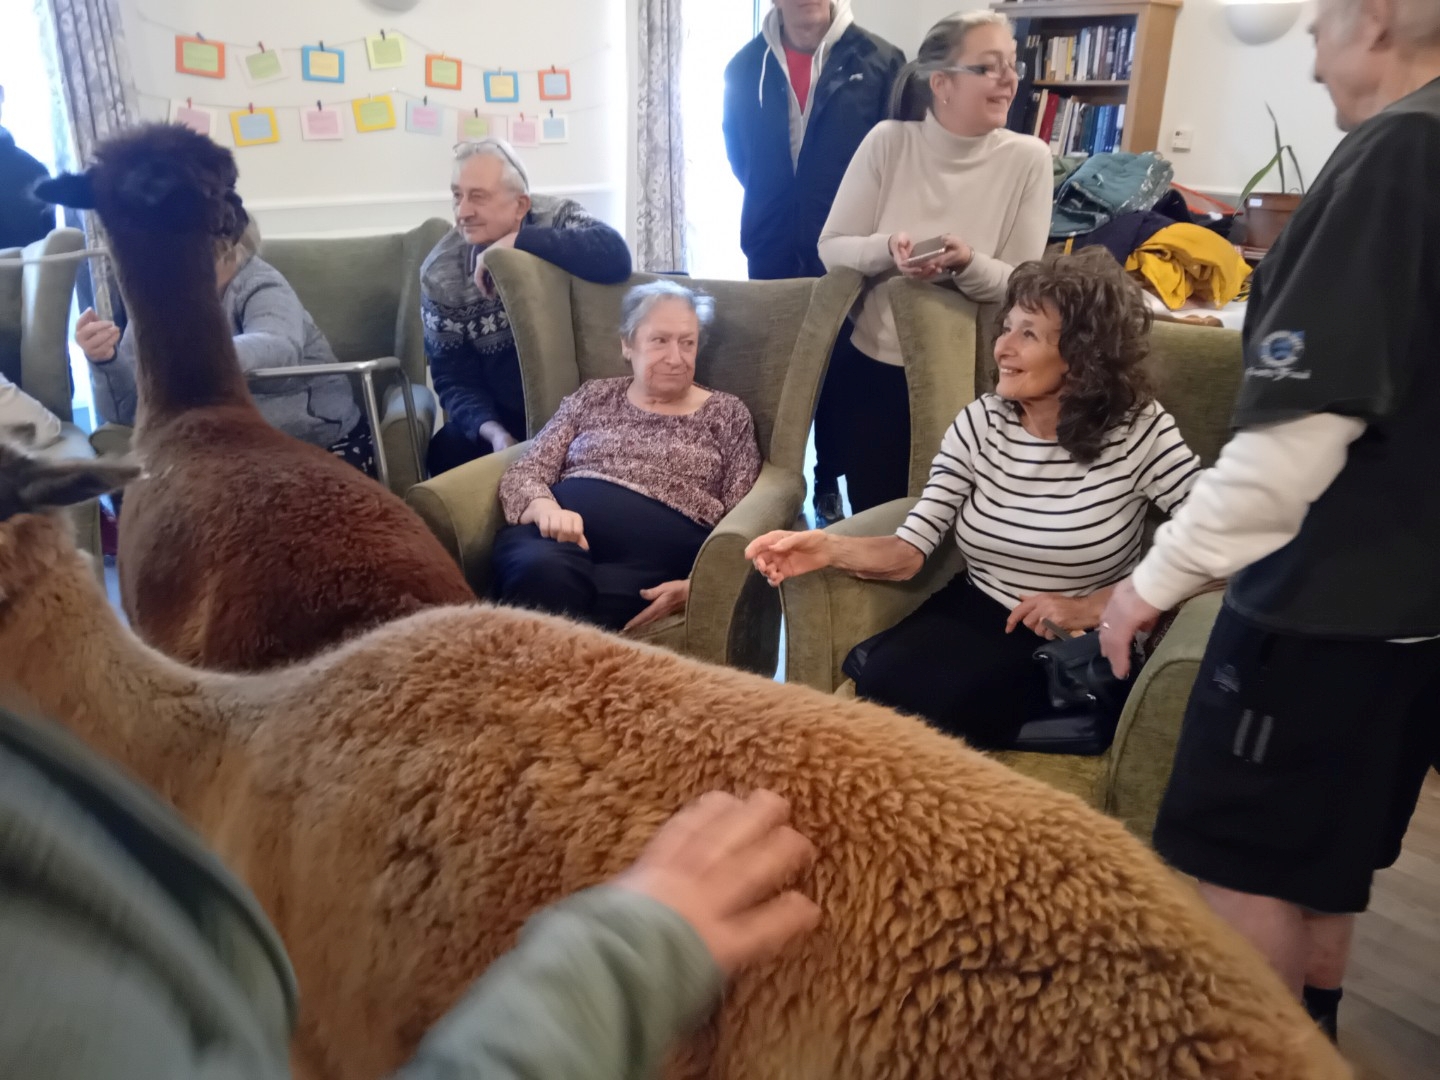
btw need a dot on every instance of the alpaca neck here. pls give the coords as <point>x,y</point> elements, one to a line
<point>68,655</point>
<point>187,354</point>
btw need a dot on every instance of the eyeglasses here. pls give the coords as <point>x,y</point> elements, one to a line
<point>994,70</point>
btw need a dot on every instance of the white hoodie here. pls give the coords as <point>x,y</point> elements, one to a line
<point>840,21</point>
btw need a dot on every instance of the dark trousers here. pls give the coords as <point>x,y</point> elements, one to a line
<point>635,543</point>
<point>832,419</point>
<point>451,447</point>
<point>952,664</point>
<point>871,413</point>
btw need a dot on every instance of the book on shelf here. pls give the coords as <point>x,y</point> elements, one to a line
<point>1101,53</point>
<point>1072,126</point>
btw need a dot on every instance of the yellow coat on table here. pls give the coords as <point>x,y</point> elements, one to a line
<point>1181,261</point>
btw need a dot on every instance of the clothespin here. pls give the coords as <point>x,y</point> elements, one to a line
<point>552,70</point>
<point>322,45</point>
<point>262,46</point>
<point>318,106</point>
<point>199,36</point>
<point>189,104</point>
<point>252,106</point>
<point>477,113</point>
<point>382,33</point>
<point>552,114</point>
<point>425,100</point>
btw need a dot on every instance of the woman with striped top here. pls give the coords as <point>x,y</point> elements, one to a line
<point>1045,485</point>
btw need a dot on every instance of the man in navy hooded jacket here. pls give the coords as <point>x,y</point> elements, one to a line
<point>798,101</point>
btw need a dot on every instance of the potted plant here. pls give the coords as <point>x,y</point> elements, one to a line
<point>1265,213</point>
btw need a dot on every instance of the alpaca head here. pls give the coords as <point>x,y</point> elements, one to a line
<point>160,178</point>
<point>33,535</point>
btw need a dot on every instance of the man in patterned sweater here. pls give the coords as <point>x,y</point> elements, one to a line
<point>468,340</point>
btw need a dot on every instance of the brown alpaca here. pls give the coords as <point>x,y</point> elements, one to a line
<point>402,804</point>
<point>244,547</point>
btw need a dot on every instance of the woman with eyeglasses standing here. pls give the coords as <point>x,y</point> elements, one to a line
<point>944,167</point>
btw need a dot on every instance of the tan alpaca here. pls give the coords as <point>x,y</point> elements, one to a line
<point>401,805</point>
<point>245,548</point>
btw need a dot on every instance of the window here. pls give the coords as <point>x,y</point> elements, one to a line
<point>714,33</point>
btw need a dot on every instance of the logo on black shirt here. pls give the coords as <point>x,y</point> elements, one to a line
<point>1279,354</point>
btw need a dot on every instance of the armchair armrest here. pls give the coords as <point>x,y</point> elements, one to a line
<point>828,613</point>
<point>733,616</point>
<point>112,440</point>
<point>1144,747</point>
<point>343,367</point>
<point>462,509</point>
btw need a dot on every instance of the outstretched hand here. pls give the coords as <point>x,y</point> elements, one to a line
<point>722,864</point>
<point>1125,616</point>
<point>784,554</point>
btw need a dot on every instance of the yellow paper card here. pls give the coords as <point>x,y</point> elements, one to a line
<point>254,128</point>
<point>385,52</point>
<point>374,114</point>
<point>324,65</point>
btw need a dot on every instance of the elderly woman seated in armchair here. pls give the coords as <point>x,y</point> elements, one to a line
<point>613,500</point>
<point>1044,486</point>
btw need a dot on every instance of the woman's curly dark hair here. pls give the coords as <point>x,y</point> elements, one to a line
<point>1104,338</point>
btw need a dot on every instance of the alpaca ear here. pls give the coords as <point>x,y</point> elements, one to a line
<point>75,190</point>
<point>65,483</point>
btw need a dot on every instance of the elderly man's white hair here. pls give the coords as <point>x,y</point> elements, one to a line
<point>511,171</point>
<point>1416,24</point>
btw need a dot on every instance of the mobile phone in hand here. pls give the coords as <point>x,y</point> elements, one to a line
<point>926,250</point>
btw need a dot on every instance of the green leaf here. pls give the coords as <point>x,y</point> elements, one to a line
<point>1255,180</point>
<point>1279,147</point>
<point>1296,162</point>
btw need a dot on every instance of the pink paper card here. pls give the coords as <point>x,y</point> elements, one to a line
<point>422,119</point>
<point>198,119</point>
<point>321,123</point>
<point>524,131</point>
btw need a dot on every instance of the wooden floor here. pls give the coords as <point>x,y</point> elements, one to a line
<point>1390,1017</point>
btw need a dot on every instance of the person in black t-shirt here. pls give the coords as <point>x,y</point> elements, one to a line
<point>1316,712</point>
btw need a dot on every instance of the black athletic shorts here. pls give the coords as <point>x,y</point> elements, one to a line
<point>1300,762</point>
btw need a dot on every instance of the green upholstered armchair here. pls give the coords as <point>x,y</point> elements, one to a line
<point>1197,372</point>
<point>769,346</point>
<point>364,293</point>
<point>35,347</point>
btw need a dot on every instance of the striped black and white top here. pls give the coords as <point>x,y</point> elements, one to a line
<point>1031,519</point>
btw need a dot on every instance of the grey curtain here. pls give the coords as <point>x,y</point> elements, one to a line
<point>84,45</point>
<point>660,151</point>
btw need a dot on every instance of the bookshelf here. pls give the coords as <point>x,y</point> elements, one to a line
<point>1099,66</point>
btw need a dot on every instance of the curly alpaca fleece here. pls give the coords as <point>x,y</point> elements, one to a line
<point>402,804</point>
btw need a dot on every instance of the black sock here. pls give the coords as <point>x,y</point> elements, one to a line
<point>1324,1008</point>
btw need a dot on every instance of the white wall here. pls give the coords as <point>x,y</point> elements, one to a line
<point>394,179</point>
<point>1219,87</point>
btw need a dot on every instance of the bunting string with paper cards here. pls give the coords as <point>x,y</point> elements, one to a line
<point>254,127</point>
<point>374,113</point>
<point>197,118</point>
<point>319,64</point>
<point>385,50</point>
<point>321,124</point>
<point>263,66</point>
<point>196,56</point>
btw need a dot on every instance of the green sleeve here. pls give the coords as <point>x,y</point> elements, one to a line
<point>598,989</point>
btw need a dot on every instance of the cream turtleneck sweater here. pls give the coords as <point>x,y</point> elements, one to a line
<point>994,191</point>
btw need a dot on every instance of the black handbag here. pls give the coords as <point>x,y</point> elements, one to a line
<point>1085,694</point>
